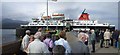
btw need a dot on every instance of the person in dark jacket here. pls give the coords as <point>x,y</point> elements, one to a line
<point>101,35</point>
<point>115,36</point>
<point>92,40</point>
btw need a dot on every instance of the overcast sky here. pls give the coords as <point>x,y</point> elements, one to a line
<point>104,11</point>
<point>61,0</point>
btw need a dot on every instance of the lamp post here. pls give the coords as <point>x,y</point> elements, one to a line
<point>47,14</point>
<point>47,11</point>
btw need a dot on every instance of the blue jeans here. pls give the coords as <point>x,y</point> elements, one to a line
<point>115,44</point>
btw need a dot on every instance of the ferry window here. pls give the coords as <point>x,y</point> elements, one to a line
<point>43,21</point>
<point>77,23</point>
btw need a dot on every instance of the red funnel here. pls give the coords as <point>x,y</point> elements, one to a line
<point>84,16</point>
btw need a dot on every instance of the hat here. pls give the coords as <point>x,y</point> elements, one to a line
<point>27,31</point>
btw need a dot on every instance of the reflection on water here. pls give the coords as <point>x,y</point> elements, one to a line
<point>8,35</point>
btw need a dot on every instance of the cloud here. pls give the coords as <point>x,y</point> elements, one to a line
<point>21,11</point>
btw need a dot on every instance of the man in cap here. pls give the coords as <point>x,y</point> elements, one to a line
<point>37,46</point>
<point>25,41</point>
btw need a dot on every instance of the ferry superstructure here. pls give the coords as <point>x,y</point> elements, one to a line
<point>58,20</point>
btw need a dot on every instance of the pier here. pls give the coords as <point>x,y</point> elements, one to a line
<point>14,47</point>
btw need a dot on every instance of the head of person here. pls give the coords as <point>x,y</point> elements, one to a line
<point>37,36</point>
<point>65,29</point>
<point>62,34</point>
<point>27,32</point>
<point>40,29</point>
<point>47,35</point>
<point>31,37</point>
<point>56,37</point>
<point>92,31</point>
<point>58,50</point>
<point>82,37</point>
<point>102,31</point>
<point>43,37</point>
<point>107,30</point>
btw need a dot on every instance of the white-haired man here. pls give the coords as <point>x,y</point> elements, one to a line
<point>83,48</point>
<point>25,41</point>
<point>37,46</point>
<point>92,39</point>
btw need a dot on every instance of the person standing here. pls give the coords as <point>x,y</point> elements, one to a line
<point>39,32</point>
<point>31,38</point>
<point>62,41</point>
<point>92,40</point>
<point>37,47</point>
<point>115,36</point>
<point>107,38</point>
<point>112,39</point>
<point>101,35</point>
<point>49,42</point>
<point>25,41</point>
<point>82,39</point>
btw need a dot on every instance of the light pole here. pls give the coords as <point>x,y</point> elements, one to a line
<point>47,11</point>
<point>47,14</point>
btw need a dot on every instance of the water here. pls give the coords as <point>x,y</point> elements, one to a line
<point>8,35</point>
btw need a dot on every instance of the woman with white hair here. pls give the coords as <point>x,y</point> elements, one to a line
<point>37,46</point>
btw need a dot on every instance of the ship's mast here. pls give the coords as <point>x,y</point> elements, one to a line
<point>47,14</point>
<point>83,11</point>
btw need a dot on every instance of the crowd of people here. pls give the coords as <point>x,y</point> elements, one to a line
<point>58,44</point>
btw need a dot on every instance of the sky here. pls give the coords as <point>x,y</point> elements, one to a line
<point>102,10</point>
<point>61,0</point>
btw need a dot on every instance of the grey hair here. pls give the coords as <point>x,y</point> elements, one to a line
<point>27,31</point>
<point>80,35</point>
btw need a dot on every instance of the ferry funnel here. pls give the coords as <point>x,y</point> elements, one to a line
<point>84,16</point>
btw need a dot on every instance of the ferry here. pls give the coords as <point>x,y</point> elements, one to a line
<point>59,21</point>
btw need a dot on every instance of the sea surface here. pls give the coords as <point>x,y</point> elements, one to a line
<point>8,35</point>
